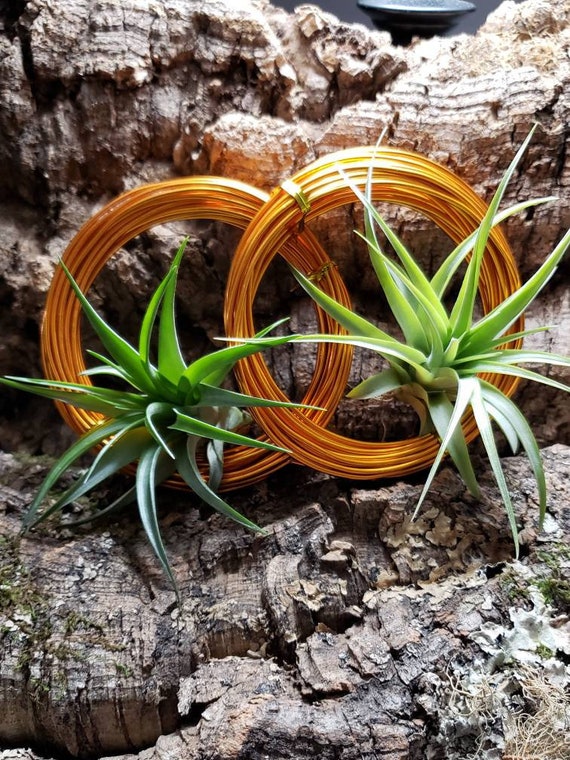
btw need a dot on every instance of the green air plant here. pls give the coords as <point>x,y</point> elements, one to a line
<point>436,367</point>
<point>159,422</point>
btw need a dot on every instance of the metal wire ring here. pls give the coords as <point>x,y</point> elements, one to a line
<point>399,177</point>
<point>130,214</point>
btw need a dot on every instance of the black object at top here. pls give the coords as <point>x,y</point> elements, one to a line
<point>408,18</point>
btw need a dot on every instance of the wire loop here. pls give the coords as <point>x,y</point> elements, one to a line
<point>137,210</point>
<point>400,177</point>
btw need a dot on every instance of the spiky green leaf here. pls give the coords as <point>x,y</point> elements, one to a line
<point>504,409</point>
<point>159,414</point>
<point>377,385</point>
<point>125,447</point>
<point>171,362</point>
<point>483,421</point>
<point>462,313</point>
<point>146,500</point>
<point>389,347</point>
<point>219,363</point>
<point>444,275</point>
<point>102,400</point>
<point>195,427</point>
<point>415,281</point>
<point>523,373</point>
<point>164,469</point>
<point>188,469</point>
<point>494,324</point>
<point>88,440</point>
<point>122,352</point>
<point>447,421</point>
<point>213,396</point>
<point>352,322</point>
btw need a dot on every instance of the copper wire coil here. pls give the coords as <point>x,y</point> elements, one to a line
<point>130,214</point>
<point>399,177</point>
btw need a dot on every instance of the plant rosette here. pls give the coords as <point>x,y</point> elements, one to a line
<point>438,367</point>
<point>400,177</point>
<point>169,412</point>
<point>225,201</point>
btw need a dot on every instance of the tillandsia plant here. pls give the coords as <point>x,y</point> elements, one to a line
<point>437,367</point>
<point>159,422</point>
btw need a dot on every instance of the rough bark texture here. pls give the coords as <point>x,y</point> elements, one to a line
<point>347,632</point>
<point>339,634</point>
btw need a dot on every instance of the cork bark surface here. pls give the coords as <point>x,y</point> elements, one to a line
<point>348,631</point>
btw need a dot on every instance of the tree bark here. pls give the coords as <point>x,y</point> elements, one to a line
<point>348,631</point>
<point>330,634</point>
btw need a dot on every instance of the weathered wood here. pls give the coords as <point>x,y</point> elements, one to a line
<point>334,635</point>
<point>326,633</point>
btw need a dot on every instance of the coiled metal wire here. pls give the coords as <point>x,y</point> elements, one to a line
<point>399,177</point>
<point>137,210</point>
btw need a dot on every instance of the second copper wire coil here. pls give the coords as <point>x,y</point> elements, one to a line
<point>399,177</point>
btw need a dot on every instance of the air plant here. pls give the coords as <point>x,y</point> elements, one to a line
<point>160,422</point>
<point>437,367</point>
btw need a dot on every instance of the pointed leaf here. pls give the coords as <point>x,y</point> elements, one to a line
<point>119,399</point>
<point>195,427</point>
<point>510,411</point>
<point>171,363</point>
<point>416,396</point>
<point>217,377</point>
<point>150,315</point>
<point>393,282</point>
<point>446,418</point>
<point>108,367</point>
<point>355,324</point>
<point>390,348</point>
<point>485,429</point>
<point>467,357</point>
<point>146,501</point>
<point>404,313</point>
<point>447,421</point>
<point>117,505</point>
<point>212,396</point>
<point>462,312</point>
<point>222,361</point>
<point>416,281</point>
<point>104,370</point>
<point>122,352</point>
<point>442,278</point>
<point>378,384</point>
<point>188,469</point>
<point>77,395</point>
<point>497,414</point>
<point>520,355</point>
<point>165,468</point>
<point>88,440</point>
<point>519,335</point>
<point>409,292</point>
<point>273,326</point>
<point>122,449</point>
<point>156,413</point>
<point>499,319</point>
<point>125,447</point>
<point>513,371</point>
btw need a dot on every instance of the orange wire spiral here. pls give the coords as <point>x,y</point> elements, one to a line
<point>127,216</point>
<point>399,177</point>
